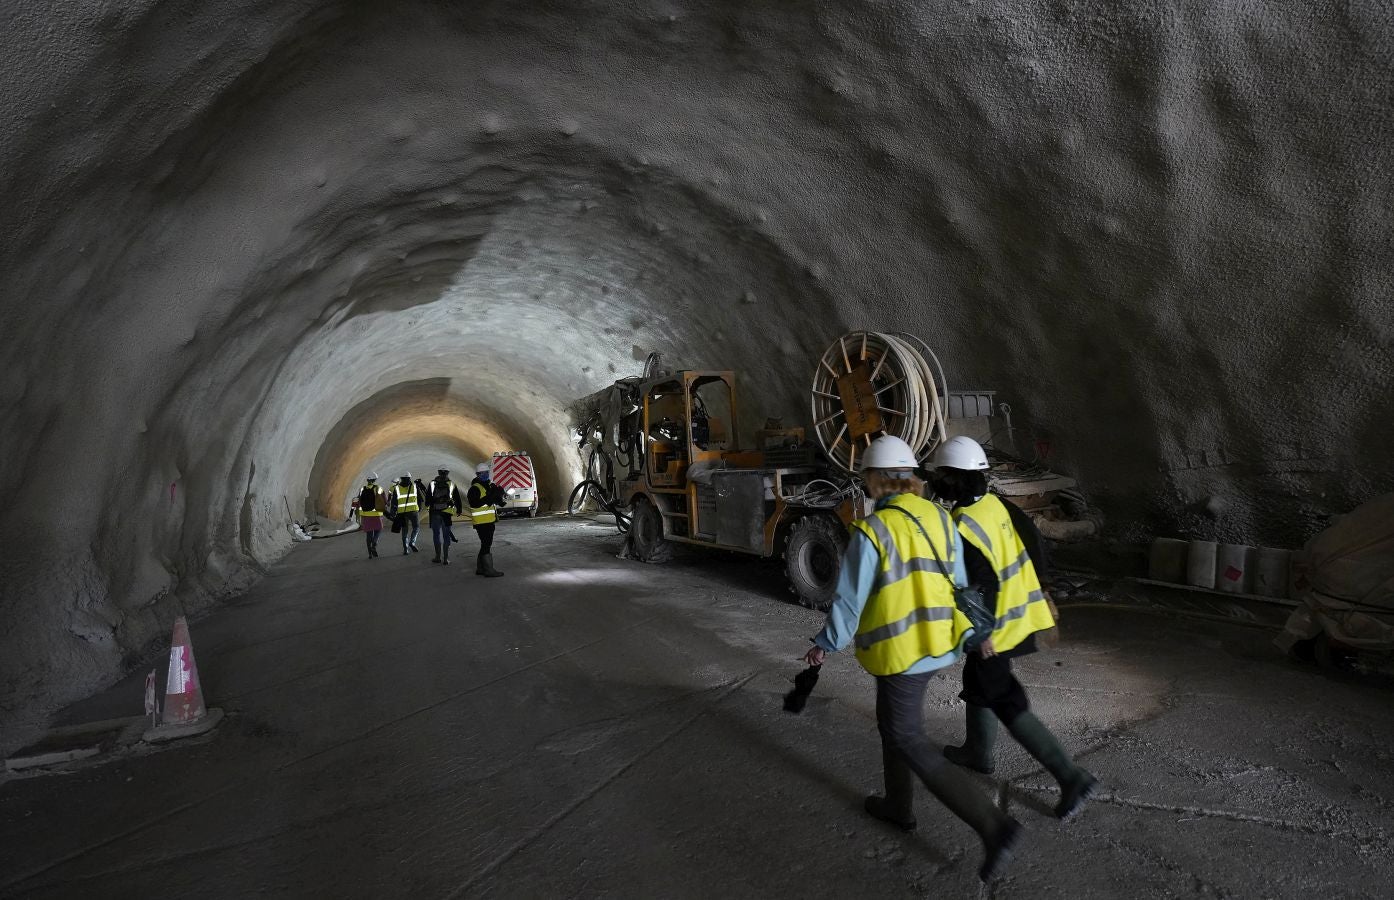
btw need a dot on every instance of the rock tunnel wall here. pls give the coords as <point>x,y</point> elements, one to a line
<point>254,249</point>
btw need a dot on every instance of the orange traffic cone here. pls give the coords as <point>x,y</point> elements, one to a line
<point>184,714</point>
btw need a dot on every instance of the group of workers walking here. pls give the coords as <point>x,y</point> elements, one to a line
<point>404,500</point>
<point>921,587</point>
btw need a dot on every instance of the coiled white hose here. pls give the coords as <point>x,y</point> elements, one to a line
<point>910,399</point>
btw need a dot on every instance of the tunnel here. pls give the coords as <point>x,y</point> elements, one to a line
<point>255,251</point>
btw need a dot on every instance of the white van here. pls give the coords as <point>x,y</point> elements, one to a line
<point>513,472</point>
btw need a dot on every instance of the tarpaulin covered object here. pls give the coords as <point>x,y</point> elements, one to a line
<point>1344,580</point>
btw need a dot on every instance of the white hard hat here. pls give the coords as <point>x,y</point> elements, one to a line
<point>372,476</point>
<point>960,453</point>
<point>482,467</point>
<point>406,475</point>
<point>889,452</point>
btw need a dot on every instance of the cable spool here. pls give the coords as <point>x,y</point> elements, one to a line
<point>871,383</point>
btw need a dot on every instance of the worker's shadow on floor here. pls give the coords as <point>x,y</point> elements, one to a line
<point>835,783</point>
<point>736,570</point>
<point>1042,805</point>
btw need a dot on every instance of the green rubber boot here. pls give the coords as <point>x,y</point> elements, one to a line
<point>486,568</point>
<point>976,752</point>
<point>1000,833</point>
<point>897,807</point>
<point>1076,784</point>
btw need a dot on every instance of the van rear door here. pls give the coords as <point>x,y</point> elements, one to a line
<point>513,472</point>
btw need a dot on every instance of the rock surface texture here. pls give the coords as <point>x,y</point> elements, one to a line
<point>253,249</point>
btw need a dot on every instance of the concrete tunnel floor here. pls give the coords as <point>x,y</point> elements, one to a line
<point>588,726</point>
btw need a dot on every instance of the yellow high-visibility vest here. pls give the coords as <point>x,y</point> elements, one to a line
<point>406,498</point>
<point>1021,607</point>
<point>382,498</point>
<point>910,613</point>
<point>482,515</point>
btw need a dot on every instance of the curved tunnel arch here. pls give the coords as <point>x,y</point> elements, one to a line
<point>399,428</point>
<point>247,242</point>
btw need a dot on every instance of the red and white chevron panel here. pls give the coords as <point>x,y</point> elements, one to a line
<point>511,471</point>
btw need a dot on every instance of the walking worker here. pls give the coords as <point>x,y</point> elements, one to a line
<point>1003,553</point>
<point>897,599</point>
<point>372,503</point>
<point>406,505</point>
<point>484,496</point>
<point>446,503</point>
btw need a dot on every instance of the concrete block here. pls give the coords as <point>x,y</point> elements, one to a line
<point>1167,560</point>
<point>1200,564</point>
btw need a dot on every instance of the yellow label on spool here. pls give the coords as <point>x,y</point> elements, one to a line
<point>858,397</point>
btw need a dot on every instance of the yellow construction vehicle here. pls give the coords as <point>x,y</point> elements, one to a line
<point>690,480</point>
<point>664,458</point>
<point>696,484</point>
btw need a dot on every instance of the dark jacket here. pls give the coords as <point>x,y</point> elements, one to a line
<point>456,505</point>
<point>481,494</point>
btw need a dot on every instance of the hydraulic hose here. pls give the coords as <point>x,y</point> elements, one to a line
<point>909,393</point>
<point>591,489</point>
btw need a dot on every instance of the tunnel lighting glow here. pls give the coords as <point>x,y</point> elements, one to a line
<point>578,576</point>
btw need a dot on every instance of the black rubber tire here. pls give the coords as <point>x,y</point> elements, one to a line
<point>813,558</point>
<point>1304,651</point>
<point>1332,656</point>
<point>646,541</point>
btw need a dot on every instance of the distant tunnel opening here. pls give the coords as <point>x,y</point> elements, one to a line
<point>420,427</point>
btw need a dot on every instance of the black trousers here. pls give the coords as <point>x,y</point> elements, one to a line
<point>486,537</point>
<point>989,682</point>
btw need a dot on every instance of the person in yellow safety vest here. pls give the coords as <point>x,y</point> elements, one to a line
<point>372,503</point>
<point>405,505</point>
<point>483,497</point>
<point>445,502</point>
<point>1004,554</point>
<point>897,599</point>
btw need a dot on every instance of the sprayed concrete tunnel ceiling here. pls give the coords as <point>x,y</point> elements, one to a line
<point>255,249</point>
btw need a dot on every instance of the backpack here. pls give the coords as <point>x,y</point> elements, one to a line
<point>440,494</point>
<point>368,500</point>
